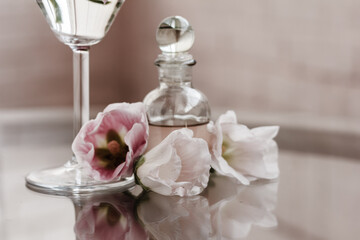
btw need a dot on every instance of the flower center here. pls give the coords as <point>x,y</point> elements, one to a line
<point>114,154</point>
<point>114,147</point>
<point>226,154</point>
<point>112,214</point>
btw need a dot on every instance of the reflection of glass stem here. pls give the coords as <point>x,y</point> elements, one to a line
<point>78,206</point>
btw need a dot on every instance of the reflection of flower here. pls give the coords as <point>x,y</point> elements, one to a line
<point>179,165</point>
<point>103,2</point>
<point>232,218</point>
<point>241,153</point>
<point>175,217</point>
<point>110,143</point>
<point>108,218</point>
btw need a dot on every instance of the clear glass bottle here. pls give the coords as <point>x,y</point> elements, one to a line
<point>175,103</point>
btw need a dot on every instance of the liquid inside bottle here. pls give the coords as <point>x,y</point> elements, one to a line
<point>175,103</point>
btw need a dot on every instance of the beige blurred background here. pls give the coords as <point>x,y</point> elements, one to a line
<point>297,60</point>
<point>294,63</point>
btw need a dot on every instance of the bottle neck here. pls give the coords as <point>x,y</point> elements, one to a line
<point>175,75</point>
<point>175,69</point>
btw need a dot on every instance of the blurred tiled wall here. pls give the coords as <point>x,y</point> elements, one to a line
<point>272,55</point>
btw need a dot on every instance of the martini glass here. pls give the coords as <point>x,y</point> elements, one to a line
<point>78,24</point>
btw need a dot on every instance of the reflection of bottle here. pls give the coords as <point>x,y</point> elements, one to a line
<point>175,104</point>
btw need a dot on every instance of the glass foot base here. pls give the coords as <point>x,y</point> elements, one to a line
<point>69,180</point>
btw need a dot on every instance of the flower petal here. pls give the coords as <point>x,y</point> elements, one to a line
<point>137,137</point>
<point>217,161</point>
<point>223,168</point>
<point>266,133</point>
<point>229,126</point>
<point>161,168</point>
<point>228,117</point>
<point>236,132</point>
<point>256,158</point>
<point>179,165</point>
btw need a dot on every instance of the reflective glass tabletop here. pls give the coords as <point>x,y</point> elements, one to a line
<point>316,197</point>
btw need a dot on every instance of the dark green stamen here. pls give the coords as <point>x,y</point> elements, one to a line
<point>115,153</point>
<point>225,154</point>
<point>112,214</point>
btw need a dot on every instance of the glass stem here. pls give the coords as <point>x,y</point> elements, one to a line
<point>81,88</point>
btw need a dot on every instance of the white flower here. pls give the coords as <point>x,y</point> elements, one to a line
<point>179,165</point>
<point>241,153</point>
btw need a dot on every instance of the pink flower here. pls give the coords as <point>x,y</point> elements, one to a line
<point>179,165</point>
<point>109,144</point>
<point>241,153</point>
<point>108,217</point>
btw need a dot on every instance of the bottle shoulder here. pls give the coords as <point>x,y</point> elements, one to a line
<point>177,106</point>
<point>175,93</point>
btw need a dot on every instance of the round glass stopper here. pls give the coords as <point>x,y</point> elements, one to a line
<point>175,35</point>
